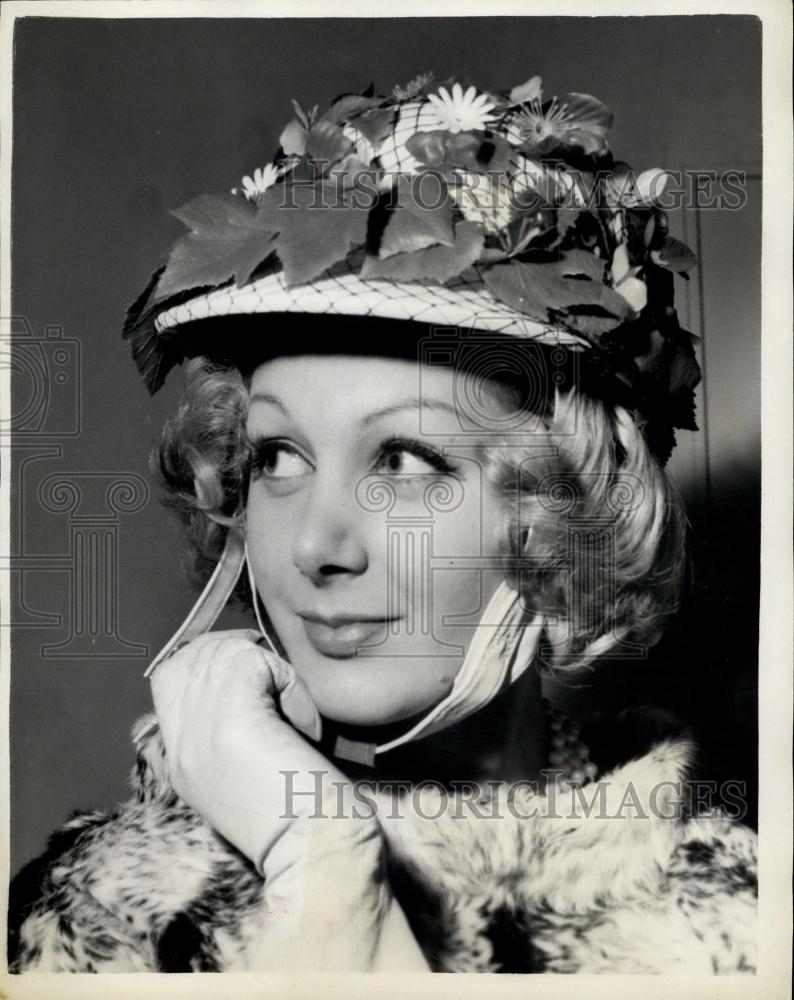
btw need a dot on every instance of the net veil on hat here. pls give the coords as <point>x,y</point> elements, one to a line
<point>447,206</point>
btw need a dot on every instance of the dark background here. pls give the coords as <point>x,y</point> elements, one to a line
<point>118,121</point>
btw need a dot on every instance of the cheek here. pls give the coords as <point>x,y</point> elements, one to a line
<point>471,539</point>
<point>268,537</point>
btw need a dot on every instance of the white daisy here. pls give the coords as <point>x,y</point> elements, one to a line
<point>264,178</point>
<point>460,111</point>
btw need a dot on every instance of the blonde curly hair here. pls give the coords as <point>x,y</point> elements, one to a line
<point>594,538</point>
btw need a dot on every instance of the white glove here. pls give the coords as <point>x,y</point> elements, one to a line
<point>227,749</point>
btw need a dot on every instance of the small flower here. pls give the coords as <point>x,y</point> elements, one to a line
<point>460,111</point>
<point>264,178</point>
<point>417,86</point>
<point>570,120</point>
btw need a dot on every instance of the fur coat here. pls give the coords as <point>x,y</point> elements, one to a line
<point>152,888</point>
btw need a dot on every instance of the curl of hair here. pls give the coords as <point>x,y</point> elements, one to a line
<point>594,534</point>
<point>596,529</point>
<point>203,460</point>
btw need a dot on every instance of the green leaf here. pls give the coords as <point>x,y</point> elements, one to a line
<point>421,219</point>
<point>347,105</point>
<point>674,255</point>
<point>305,118</point>
<point>316,224</point>
<point>581,262</point>
<point>228,238</point>
<point>327,144</point>
<point>566,219</point>
<point>590,324</point>
<point>532,90</point>
<point>376,125</point>
<point>472,151</point>
<point>293,139</point>
<point>436,263</point>
<point>352,172</point>
<point>534,289</point>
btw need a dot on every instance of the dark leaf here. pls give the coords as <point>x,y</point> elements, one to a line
<point>347,105</point>
<point>493,255</point>
<point>473,151</point>
<point>534,289</point>
<point>428,147</point>
<point>352,172</point>
<point>566,219</point>
<point>327,144</point>
<point>478,151</point>
<point>421,218</point>
<point>305,171</point>
<point>136,310</point>
<point>304,118</point>
<point>590,324</point>
<point>228,238</point>
<point>674,255</point>
<point>153,358</point>
<point>582,262</point>
<point>210,210</point>
<point>437,263</point>
<point>375,125</point>
<point>316,224</point>
<point>683,375</point>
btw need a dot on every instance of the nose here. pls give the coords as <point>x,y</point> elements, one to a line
<point>329,541</point>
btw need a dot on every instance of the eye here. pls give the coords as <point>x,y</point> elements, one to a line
<point>406,457</point>
<point>278,460</point>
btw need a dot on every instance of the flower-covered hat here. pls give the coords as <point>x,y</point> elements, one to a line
<point>444,205</point>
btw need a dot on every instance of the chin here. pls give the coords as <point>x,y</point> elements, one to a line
<point>360,692</point>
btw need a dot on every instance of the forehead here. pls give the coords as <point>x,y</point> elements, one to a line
<point>345,375</point>
<point>348,388</point>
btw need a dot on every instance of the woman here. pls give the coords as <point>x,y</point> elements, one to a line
<point>434,371</point>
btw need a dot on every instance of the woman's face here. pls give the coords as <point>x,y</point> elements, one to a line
<point>372,533</point>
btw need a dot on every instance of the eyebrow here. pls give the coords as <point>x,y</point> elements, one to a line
<point>410,403</point>
<point>266,397</point>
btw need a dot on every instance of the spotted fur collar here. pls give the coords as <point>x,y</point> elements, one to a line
<point>151,887</point>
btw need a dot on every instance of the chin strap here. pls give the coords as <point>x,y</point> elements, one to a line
<point>204,613</point>
<point>502,647</point>
<point>212,600</point>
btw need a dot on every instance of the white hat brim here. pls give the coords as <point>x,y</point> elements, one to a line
<point>463,302</point>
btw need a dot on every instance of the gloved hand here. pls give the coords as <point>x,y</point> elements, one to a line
<point>228,750</point>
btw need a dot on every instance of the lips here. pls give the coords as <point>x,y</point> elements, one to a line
<point>340,636</point>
